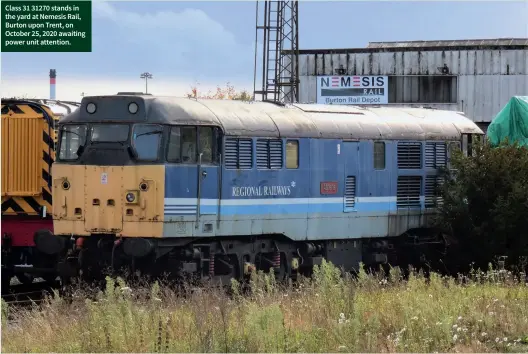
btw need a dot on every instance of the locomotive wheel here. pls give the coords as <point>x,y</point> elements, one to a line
<point>50,279</point>
<point>6,281</point>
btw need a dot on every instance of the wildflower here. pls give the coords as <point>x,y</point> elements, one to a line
<point>491,313</point>
<point>415,318</point>
<point>438,323</point>
<point>497,340</point>
<point>459,318</point>
<point>505,339</point>
<point>455,326</point>
<point>483,334</point>
<point>430,295</point>
<point>459,329</point>
<point>455,337</point>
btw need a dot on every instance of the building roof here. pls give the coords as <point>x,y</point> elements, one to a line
<point>506,42</point>
<point>410,46</point>
<point>263,119</point>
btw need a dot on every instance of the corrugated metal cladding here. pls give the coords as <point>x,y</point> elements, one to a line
<point>483,74</point>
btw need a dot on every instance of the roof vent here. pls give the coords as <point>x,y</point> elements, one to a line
<point>134,93</point>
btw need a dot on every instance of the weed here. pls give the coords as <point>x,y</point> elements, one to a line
<point>486,312</point>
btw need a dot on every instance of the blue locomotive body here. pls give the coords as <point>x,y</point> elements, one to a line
<point>336,189</point>
<point>256,185</point>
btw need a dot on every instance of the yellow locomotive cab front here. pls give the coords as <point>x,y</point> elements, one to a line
<point>115,200</point>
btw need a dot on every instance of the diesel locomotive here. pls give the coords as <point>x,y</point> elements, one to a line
<point>28,150</point>
<point>219,189</point>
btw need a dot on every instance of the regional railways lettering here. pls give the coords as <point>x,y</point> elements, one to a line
<point>261,191</point>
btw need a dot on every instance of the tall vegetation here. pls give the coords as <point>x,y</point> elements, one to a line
<point>222,93</point>
<point>486,205</point>
<point>327,313</point>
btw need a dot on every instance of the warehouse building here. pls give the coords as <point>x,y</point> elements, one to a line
<point>477,77</point>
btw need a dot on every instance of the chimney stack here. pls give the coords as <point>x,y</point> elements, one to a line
<point>53,76</point>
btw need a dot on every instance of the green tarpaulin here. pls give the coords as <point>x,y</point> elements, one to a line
<point>511,122</point>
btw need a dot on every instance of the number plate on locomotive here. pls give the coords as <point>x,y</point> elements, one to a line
<point>328,187</point>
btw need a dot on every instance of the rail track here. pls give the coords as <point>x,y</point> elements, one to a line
<point>28,294</point>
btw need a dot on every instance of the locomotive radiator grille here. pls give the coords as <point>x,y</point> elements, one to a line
<point>435,155</point>
<point>350,192</point>
<point>269,154</point>
<point>408,193</point>
<point>238,153</point>
<point>409,155</point>
<point>433,199</point>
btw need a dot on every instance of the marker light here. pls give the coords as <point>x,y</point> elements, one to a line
<point>91,108</point>
<point>133,108</point>
<point>130,197</point>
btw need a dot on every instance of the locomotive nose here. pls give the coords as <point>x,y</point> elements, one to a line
<point>104,200</point>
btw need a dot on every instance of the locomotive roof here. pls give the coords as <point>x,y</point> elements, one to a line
<point>266,119</point>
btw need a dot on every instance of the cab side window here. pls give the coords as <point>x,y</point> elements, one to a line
<point>187,143</point>
<point>188,147</point>
<point>206,144</point>
<point>174,150</point>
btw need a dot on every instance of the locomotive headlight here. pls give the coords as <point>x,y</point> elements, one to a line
<point>91,108</point>
<point>131,197</point>
<point>133,107</point>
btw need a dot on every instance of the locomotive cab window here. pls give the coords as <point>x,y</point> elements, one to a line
<point>205,144</point>
<point>187,143</point>
<point>146,140</point>
<point>379,155</point>
<point>174,149</point>
<point>73,139</point>
<point>110,133</point>
<point>292,154</point>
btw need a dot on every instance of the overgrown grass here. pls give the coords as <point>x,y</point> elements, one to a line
<point>328,313</point>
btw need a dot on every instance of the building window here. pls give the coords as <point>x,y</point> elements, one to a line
<point>292,154</point>
<point>423,89</point>
<point>379,155</point>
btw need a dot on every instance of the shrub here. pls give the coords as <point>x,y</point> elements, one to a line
<point>486,206</point>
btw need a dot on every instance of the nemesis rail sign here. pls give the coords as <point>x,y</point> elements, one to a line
<point>354,90</point>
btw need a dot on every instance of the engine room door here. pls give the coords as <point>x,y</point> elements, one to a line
<point>350,153</point>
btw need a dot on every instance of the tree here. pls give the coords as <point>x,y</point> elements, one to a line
<point>226,93</point>
<point>485,204</point>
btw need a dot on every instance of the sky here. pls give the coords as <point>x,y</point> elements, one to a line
<point>210,43</point>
